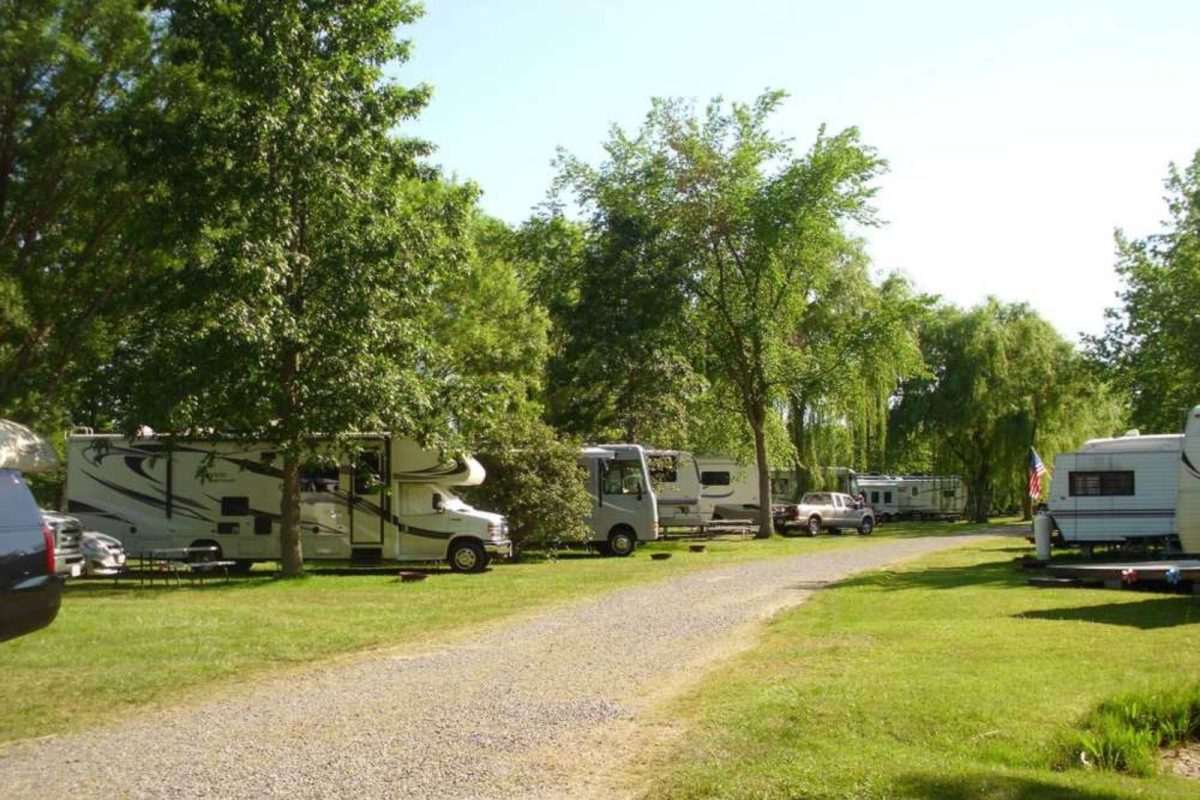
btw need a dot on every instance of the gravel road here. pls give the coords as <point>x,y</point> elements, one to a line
<point>543,707</point>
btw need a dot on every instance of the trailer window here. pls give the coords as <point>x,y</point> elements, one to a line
<point>949,494</point>
<point>874,497</point>
<point>714,478</point>
<point>623,477</point>
<point>887,497</point>
<point>318,477</point>
<point>914,491</point>
<point>235,506</point>
<point>1101,484</point>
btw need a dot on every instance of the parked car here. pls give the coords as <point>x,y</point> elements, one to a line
<point>30,589</point>
<point>830,511</point>
<point>102,554</point>
<point>68,543</point>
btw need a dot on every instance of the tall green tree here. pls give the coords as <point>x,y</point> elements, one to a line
<point>1000,380</point>
<point>1151,344</point>
<point>324,240</point>
<point>756,232</point>
<point>81,220</point>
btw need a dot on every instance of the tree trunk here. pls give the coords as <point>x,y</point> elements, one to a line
<point>765,523</point>
<point>290,553</point>
<point>979,490</point>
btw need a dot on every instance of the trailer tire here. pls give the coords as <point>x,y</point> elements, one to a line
<point>466,556</point>
<point>621,542</point>
<point>866,526</point>
<point>814,526</point>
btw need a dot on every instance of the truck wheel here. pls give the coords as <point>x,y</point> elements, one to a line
<point>467,556</point>
<point>814,526</point>
<point>866,526</point>
<point>621,542</point>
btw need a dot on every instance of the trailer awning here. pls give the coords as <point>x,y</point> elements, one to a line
<point>24,450</point>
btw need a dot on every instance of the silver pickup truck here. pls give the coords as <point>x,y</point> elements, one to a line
<point>831,511</point>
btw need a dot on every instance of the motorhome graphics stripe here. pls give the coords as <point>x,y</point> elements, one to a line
<point>145,499</point>
<point>1189,466</point>
<point>76,507</point>
<point>433,472</point>
<point>424,533</point>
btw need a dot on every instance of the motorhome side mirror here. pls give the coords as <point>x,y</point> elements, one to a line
<point>438,503</point>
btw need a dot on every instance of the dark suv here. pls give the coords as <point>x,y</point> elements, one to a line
<point>30,591</point>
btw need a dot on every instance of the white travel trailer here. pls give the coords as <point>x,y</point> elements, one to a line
<point>1130,488</point>
<point>624,506</point>
<point>395,502</point>
<point>915,496</point>
<point>728,490</point>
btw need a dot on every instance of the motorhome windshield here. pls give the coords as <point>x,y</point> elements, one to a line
<point>623,476</point>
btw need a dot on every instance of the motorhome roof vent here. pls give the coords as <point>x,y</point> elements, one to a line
<point>1132,432</point>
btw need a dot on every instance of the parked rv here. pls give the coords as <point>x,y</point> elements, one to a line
<point>624,506</point>
<point>728,490</point>
<point>395,501</point>
<point>1130,489</point>
<point>915,496</point>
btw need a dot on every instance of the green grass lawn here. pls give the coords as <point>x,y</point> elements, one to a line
<point>113,650</point>
<point>950,678</point>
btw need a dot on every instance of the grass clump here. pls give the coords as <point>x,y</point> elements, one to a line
<point>1124,734</point>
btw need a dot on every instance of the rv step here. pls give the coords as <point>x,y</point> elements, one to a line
<point>1046,582</point>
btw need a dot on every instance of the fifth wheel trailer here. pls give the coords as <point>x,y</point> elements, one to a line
<point>1130,488</point>
<point>394,501</point>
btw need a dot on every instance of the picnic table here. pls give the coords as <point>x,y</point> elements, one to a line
<point>196,563</point>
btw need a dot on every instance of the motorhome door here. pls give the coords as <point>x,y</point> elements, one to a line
<point>364,484</point>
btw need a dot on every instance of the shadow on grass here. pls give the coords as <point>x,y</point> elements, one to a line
<point>994,573</point>
<point>994,787</point>
<point>1160,612</point>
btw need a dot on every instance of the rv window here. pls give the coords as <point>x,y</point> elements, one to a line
<point>874,497</point>
<point>887,497</point>
<point>317,477</point>
<point>262,526</point>
<point>914,491</point>
<point>623,477</point>
<point>235,506</point>
<point>1101,484</point>
<point>949,493</point>
<point>227,527</point>
<point>714,478</point>
<point>662,469</point>
<point>366,473</point>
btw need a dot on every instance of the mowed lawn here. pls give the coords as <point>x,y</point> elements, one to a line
<point>117,649</point>
<point>949,678</point>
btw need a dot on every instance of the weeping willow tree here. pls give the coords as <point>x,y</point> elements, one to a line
<point>1000,380</point>
<point>866,340</point>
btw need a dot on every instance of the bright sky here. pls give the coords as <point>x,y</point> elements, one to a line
<point>1020,134</point>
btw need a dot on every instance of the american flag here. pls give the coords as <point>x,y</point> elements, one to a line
<point>1036,470</point>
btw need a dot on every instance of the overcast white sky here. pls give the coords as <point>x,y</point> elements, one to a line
<point>1020,134</point>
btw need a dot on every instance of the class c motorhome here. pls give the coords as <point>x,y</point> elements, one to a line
<point>395,502</point>
<point>1130,488</point>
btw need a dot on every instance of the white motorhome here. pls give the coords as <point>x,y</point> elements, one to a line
<point>915,496</point>
<point>1130,488</point>
<point>624,506</point>
<point>395,501</point>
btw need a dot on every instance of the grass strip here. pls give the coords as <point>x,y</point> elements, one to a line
<point>948,678</point>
